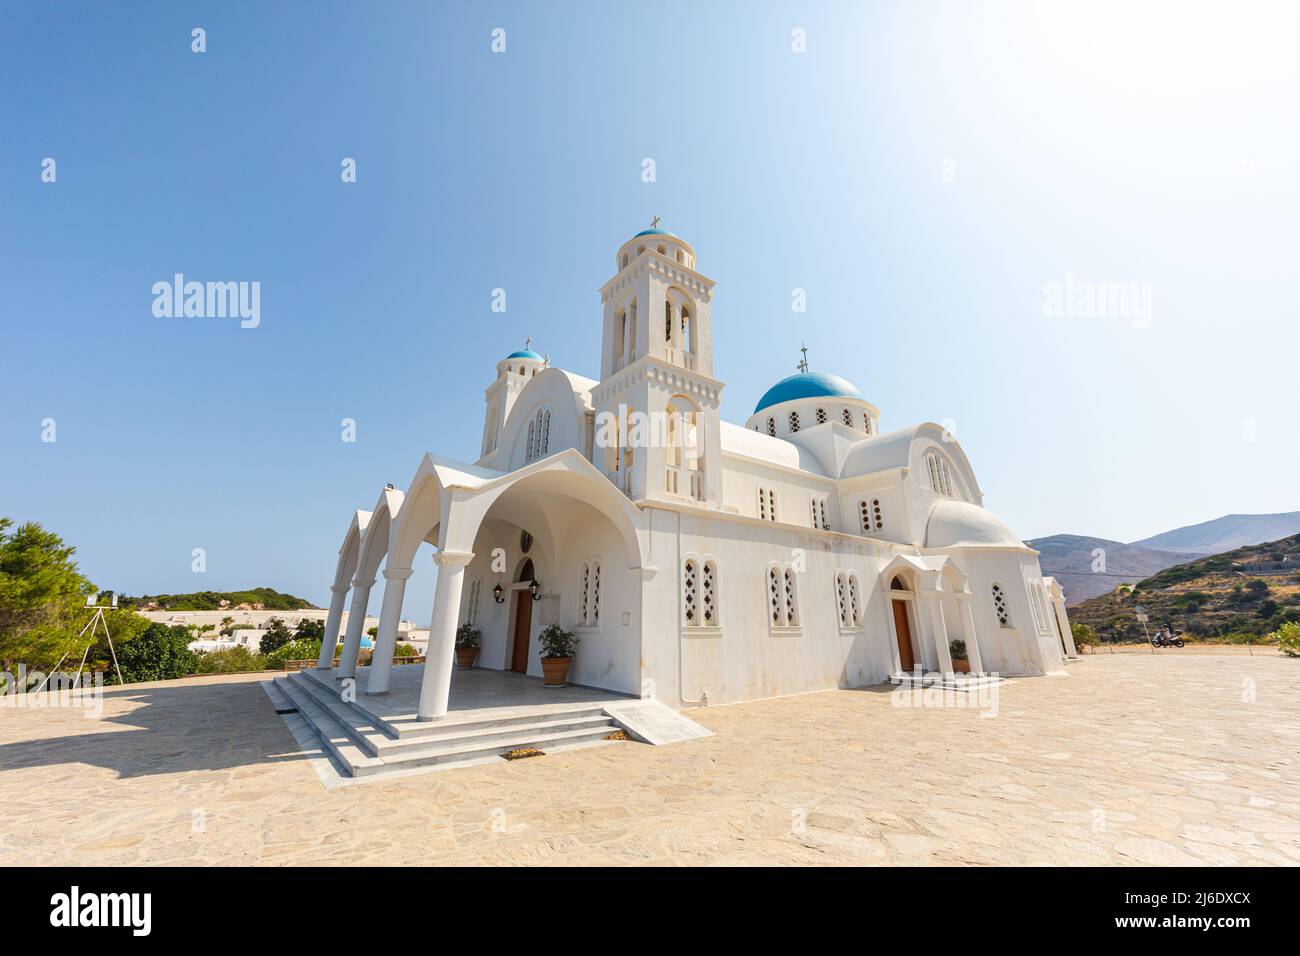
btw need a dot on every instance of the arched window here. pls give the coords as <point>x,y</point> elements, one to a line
<point>668,324</point>
<point>471,612</point>
<point>794,420</point>
<point>690,593</point>
<point>821,416</point>
<point>1000,606</point>
<point>848,417</point>
<point>818,508</point>
<point>546,433</point>
<point>940,476</point>
<point>848,599</point>
<point>685,343</point>
<point>681,256</point>
<point>855,601</point>
<point>771,427</point>
<point>663,250</point>
<point>625,260</point>
<point>783,602</point>
<point>532,441</point>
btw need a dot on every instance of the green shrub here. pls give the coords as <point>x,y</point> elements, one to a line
<point>293,651</point>
<point>957,648</point>
<point>555,641</point>
<point>1084,636</point>
<point>229,660</point>
<point>160,653</point>
<point>467,635</point>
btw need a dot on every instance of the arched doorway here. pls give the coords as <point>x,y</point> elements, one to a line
<point>902,623</point>
<point>523,618</point>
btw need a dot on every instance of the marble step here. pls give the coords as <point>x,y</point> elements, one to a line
<point>457,748</point>
<point>406,726</point>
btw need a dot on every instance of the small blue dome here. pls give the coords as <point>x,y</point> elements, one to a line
<point>366,642</point>
<point>525,354</point>
<point>654,232</point>
<point>807,385</point>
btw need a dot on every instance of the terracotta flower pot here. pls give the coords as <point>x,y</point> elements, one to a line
<point>555,671</point>
<point>961,666</point>
<point>465,657</point>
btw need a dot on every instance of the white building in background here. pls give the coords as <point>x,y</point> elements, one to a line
<point>697,560</point>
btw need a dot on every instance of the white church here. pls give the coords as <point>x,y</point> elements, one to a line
<point>698,561</point>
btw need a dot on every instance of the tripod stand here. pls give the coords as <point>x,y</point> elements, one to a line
<point>96,621</point>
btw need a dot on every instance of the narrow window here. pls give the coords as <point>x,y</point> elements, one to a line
<point>771,427</point>
<point>855,601</point>
<point>821,416</point>
<point>791,601</point>
<point>585,606</point>
<point>877,516</point>
<point>864,511</point>
<point>866,423</point>
<point>771,504</point>
<point>762,504</point>
<point>532,439</point>
<point>595,594</point>
<point>690,582</point>
<point>774,594</point>
<point>794,421</point>
<point>821,506</point>
<point>709,594</point>
<point>842,598</point>
<point>848,418</point>
<point>1000,606</point>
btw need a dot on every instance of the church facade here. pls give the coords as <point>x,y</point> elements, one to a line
<point>698,561</point>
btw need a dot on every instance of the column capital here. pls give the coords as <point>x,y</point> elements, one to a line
<point>358,583</point>
<point>397,574</point>
<point>459,559</point>
<point>340,588</point>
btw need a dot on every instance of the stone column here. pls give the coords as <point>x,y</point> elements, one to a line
<point>356,621</point>
<point>435,687</point>
<point>940,629</point>
<point>972,641</point>
<point>330,640</point>
<point>381,661</point>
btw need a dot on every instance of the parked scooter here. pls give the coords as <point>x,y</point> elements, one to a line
<point>1164,638</point>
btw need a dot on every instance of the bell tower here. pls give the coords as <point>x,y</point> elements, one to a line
<point>657,423</point>
<point>513,373</point>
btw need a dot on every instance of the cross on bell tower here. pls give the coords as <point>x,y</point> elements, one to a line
<point>803,363</point>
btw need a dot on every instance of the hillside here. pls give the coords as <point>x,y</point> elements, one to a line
<point>1223,534</point>
<point>1248,591</point>
<point>1069,558</point>
<point>254,599</point>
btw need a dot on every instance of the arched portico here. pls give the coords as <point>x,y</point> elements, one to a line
<point>447,504</point>
<point>929,597</point>
<point>344,571</point>
<point>374,545</point>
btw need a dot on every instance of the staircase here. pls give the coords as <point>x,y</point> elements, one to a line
<point>363,745</point>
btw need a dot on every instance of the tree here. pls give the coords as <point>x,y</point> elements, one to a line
<point>227,627</point>
<point>276,635</point>
<point>309,629</point>
<point>229,660</point>
<point>42,595</point>
<point>160,653</point>
<point>1288,639</point>
<point>303,650</point>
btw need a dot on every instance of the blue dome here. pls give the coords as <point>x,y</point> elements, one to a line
<point>367,642</point>
<point>654,232</point>
<point>525,354</point>
<point>807,385</point>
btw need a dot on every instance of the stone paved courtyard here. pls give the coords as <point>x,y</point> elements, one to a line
<point>1159,759</point>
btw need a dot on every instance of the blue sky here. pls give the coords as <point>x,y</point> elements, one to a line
<point>922,170</point>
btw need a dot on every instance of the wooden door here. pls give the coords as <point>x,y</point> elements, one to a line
<point>523,624</point>
<point>904,633</point>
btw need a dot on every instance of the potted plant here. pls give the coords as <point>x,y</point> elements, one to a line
<point>467,636</point>
<point>557,654</point>
<point>960,663</point>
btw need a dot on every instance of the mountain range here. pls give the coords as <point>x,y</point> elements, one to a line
<point>1071,558</point>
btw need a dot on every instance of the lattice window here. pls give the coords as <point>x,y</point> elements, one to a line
<point>771,427</point>
<point>546,433</point>
<point>791,599</point>
<point>1000,606</point>
<point>864,512</point>
<point>532,441</point>
<point>709,594</point>
<point>821,416</point>
<point>762,503</point>
<point>774,595</point>
<point>585,606</point>
<point>690,593</point>
<point>475,591</point>
<point>848,417</point>
<point>794,421</point>
<point>866,423</point>
<point>877,515</point>
<point>595,594</point>
<point>821,510</point>
<point>771,505</point>
<point>842,597</point>
<point>855,601</point>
